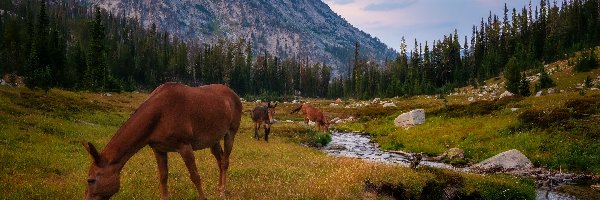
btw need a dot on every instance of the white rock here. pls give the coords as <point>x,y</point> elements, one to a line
<point>514,109</point>
<point>389,105</point>
<point>506,94</point>
<point>258,101</point>
<point>471,99</point>
<point>333,104</point>
<point>2,82</point>
<point>539,93</point>
<point>550,90</point>
<point>412,118</point>
<point>508,160</point>
<point>295,101</point>
<point>312,123</point>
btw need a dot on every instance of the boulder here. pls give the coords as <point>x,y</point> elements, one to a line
<point>389,105</point>
<point>506,161</point>
<point>506,94</point>
<point>338,101</point>
<point>412,118</point>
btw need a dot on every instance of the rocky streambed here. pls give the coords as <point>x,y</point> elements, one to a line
<point>355,145</point>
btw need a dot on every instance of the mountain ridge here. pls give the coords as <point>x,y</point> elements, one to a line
<point>284,28</point>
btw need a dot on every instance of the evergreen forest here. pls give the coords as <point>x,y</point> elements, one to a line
<point>66,45</point>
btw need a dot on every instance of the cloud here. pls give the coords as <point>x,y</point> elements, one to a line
<point>341,2</point>
<point>389,5</point>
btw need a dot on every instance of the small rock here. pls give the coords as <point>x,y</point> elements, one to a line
<point>258,101</point>
<point>295,101</point>
<point>311,123</point>
<point>338,101</point>
<point>596,187</point>
<point>336,147</point>
<point>539,93</point>
<point>451,153</point>
<point>550,90</point>
<point>506,94</point>
<point>389,105</point>
<point>333,104</point>
<point>471,99</point>
<point>514,109</point>
<point>107,94</point>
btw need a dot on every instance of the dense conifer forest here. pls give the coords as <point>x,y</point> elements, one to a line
<point>66,45</point>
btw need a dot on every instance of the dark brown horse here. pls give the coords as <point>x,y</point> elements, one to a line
<point>313,114</point>
<point>174,118</point>
<point>263,114</point>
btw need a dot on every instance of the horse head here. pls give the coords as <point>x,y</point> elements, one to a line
<point>271,112</point>
<point>103,179</point>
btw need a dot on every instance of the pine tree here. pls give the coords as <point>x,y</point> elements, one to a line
<point>512,75</point>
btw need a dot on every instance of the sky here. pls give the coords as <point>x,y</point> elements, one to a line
<point>425,20</point>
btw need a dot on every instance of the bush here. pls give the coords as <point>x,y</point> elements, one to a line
<point>322,138</point>
<point>545,81</point>
<point>543,119</point>
<point>587,61</point>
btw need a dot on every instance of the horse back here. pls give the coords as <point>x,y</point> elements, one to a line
<point>199,116</point>
<point>260,113</point>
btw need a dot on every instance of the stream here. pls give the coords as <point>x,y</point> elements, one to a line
<point>360,146</point>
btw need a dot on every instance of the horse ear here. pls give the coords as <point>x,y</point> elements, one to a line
<point>269,104</point>
<point>93,152</point>
<point>275,105</point>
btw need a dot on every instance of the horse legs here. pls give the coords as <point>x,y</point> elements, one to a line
<point>187,153</point>
<point>267,131</point>
<point>163,171</point>
<point>256,127</point>
<point>218,153</point>
<point>228,145</point>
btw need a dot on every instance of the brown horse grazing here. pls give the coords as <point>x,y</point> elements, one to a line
<point>263,114</point>
<point>313,114</point>
<point>174,118</point>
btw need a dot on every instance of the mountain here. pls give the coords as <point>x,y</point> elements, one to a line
<point>286,28</point>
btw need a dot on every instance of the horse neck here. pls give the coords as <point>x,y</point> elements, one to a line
<point>129,139</point>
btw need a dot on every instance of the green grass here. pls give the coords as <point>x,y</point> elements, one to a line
<point>41,156</point>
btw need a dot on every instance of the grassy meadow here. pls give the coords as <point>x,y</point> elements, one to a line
<point>41,157</point>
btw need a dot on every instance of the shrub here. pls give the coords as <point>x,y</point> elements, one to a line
<point>587,61</point>
<point>543,119</point>
<point>322,138</point>
<point>545,81</point>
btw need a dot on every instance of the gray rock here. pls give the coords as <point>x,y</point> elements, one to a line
<point>451,153</point>
<point>412,118</point>
<point>506,94</point>
<point>514,109</point>
<point>389,105</point>
<point>506,161</point>
<point>539,93</point>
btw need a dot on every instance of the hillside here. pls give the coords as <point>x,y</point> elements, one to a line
<point>285,28</point>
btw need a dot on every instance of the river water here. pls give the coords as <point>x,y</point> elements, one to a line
<point>360,146</point>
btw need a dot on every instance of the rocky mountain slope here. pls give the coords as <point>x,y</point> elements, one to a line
<point>286,28</point>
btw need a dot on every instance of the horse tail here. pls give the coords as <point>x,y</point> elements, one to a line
<point>297,109</point>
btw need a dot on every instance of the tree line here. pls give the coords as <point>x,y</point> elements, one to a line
<point>520,40</point>
<point>66,45</point>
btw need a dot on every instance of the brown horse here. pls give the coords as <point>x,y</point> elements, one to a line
<point>263,114</point>
<point>174,118</point>
<point>313,114</point>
